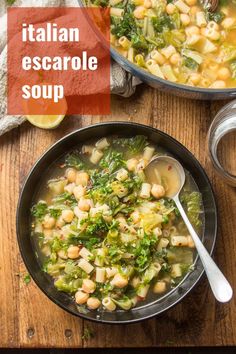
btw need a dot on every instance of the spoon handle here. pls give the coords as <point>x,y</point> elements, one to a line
<point>219,284</point>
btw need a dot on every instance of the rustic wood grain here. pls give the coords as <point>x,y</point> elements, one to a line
<point>29,319</point>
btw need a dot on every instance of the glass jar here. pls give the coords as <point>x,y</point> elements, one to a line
<point>221,141</point>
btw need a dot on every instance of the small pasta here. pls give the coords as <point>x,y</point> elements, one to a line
<point>86,254</point>
<point>179,241</point>
<point>145,190</point>
<point>148,153</point>
<point>130,55</point>
<point>115,11</point>
<point>154,68</point>
<point>100,275</point>
<point>143,290</point>
<point>201,19</point>
<point>184,8</point>
<point>158,57</point>
<point>176,270</point>
<point>163,243</point>
<point>168,51</point>
<point>108,304</point>
<point>85,265</point>
<point>96,156</point>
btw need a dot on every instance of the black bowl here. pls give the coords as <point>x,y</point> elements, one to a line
<point>32,184</point>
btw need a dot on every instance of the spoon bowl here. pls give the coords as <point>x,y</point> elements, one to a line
<point>167,165</point>
<point>171,164</point>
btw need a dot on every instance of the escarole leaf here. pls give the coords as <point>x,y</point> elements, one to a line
<point>74,160</point>
<point>125,303</point>
<point>192,202</point>
<point>39,210</point>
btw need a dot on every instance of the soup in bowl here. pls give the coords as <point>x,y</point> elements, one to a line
<point>101,238</point>
<point>108,236</point>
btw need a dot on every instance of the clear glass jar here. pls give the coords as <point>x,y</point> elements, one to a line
<point>221,141</point>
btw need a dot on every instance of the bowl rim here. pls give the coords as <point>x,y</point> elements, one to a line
<point>20,243</point>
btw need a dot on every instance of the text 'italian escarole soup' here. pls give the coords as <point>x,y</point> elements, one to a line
<point>178,40</point>
<point>105,234</point>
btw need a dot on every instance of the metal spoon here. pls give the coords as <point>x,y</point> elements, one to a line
<point>219,284</point>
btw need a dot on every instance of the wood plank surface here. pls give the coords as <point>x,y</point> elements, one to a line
<point>29,319</point>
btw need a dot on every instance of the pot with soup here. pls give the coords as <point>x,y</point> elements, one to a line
<point>181,41</point>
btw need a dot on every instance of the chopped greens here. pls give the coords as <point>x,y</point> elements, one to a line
<point>190,63</point>
<point>107,239</point>
<point>27,279</point>
<point>39,210</point>
<point>74,160</point>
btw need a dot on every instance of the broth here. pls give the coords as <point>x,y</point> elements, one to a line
<point>104,235</point>
<point>164,173</point>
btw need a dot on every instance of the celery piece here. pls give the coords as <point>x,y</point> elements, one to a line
<point>193,55</point>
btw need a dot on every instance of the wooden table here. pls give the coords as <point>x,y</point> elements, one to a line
<point>29,319</point>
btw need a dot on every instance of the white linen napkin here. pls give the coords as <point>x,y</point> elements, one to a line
<point>122,83</point>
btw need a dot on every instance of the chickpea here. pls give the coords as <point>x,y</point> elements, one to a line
<point>84,204</point>
<point>228,22</point>
<point>192,30</point>
<point>218,84</point>
<point>67,215</point>
<point>48,222</point>
<point>139,12</point>
<point>170,9</point>
<point>62,254</point>
<point>213,25</point>
<point>47,233</point>
<point>190,2</point>
<point>60,222</point>
<point>185,19</point>
<point>132,164</point>
<point>147,4</point>
<point>88,286</point>
<point>81,297</point>
<point>71,174</point>
<point>93,303</point>
<point>135,216</point>
<point>73,252</point>
<point>79,191</point>
<point>194,10</point>
<point>205,82</point>
<point>175,58</point>
<point>195,78</point>
<point>159,287</point>
<point>203,31</point>
<point>82,178</point>
<point>141,165</point>
<point>213,66</point>
<point>119,281</point>
<point>157,191</point>
<point>212,34</point>
<point>223,74</point>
